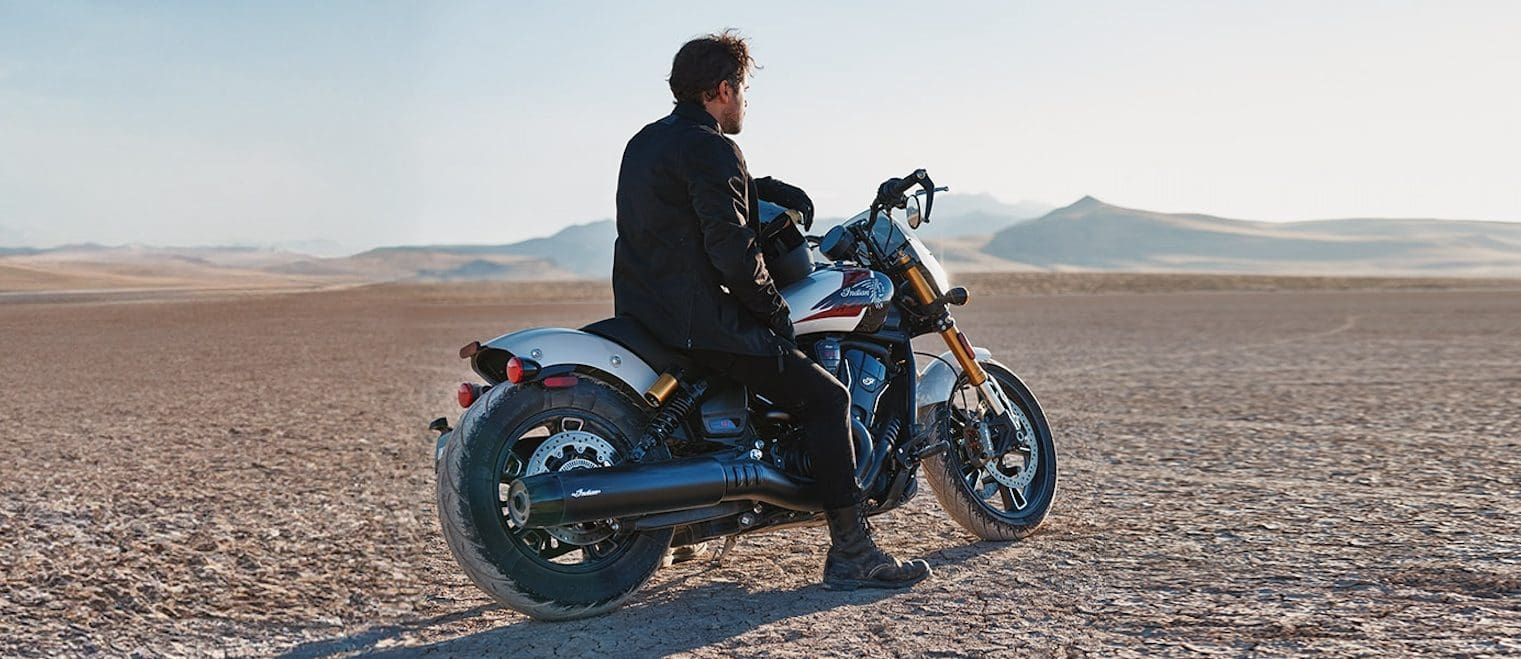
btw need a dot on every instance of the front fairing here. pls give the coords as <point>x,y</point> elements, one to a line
<point>891,235</point>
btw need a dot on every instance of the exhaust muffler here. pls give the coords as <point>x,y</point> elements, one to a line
<point>627,490</point>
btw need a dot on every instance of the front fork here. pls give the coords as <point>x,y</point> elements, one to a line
<point>987,388</point>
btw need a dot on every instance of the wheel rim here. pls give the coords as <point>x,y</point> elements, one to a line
<point>562,440</point>
<point>1009,485</point>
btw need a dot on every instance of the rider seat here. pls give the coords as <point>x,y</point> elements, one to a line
<point>631,334</point>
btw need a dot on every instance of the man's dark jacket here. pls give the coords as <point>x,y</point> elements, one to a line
<point>687,226</point>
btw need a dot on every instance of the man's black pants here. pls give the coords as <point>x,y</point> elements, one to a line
<point>816,399</point>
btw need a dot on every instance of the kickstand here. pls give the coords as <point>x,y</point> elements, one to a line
<point>729,543</point>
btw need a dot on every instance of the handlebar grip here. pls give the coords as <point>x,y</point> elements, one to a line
<point>891,192</point>
<point>908,182</point>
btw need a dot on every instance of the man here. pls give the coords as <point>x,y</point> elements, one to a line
<point>688,266</point>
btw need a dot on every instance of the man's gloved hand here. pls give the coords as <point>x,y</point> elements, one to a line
<point>781,325</point>
<point>788,196</point>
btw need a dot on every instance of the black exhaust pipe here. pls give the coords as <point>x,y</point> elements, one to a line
<point>586,495</point>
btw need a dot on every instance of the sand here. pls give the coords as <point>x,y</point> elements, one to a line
<point>1304,468</point>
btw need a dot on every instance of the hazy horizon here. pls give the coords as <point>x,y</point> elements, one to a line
<point>371,124</point>
<point>325,248</point>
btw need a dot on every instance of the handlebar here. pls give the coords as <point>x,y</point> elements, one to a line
<point>891,194</point>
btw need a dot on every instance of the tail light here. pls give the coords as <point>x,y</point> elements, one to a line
<point>519,370</point>
<point>561,381</point>
<point>468,393</point>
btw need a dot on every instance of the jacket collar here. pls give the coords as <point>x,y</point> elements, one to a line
<point>696,113</point>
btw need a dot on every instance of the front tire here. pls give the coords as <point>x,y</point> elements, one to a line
<point>549,574</point>
<point>967,492</point>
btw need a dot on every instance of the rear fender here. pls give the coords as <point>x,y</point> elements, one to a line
<point>557,346</point>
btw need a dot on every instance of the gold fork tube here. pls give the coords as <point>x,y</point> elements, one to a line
<point>953,337</point>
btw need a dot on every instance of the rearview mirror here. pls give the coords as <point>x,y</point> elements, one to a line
<point>912,212</point>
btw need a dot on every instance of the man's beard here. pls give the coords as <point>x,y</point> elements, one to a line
<point>732,122</point>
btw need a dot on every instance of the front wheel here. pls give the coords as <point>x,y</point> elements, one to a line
<point>1009,496</point>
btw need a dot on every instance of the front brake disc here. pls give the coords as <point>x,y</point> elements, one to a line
<point>1015,467</point>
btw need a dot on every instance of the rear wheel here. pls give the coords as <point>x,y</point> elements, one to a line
<point>1007,497</point>
<point>555,573</point>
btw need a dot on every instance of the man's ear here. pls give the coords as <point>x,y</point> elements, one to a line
<point>717,93</point>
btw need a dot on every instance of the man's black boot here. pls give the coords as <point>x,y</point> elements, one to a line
<point>855,561</point>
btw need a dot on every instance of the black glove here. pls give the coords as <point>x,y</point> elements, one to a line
<point>786,342</point>
<point>782,327</point>
<point>786,196</point>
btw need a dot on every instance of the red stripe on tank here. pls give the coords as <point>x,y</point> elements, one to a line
<point>836,312</point>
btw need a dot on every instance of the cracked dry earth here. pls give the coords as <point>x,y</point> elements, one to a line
<point>1265,472</point>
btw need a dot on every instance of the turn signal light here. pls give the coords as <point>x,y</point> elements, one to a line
<point>468,393</point>
<point>957,296</point>
<point>520,370</point>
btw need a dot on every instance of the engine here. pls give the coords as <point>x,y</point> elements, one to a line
<point>860,367</point>
<point>724,417</point>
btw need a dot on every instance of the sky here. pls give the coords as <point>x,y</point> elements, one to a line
<point>357,124</point>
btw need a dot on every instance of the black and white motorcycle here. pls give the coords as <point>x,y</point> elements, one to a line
<point>587,453</point>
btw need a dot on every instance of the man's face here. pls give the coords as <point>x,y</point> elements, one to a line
<point>731,116</point>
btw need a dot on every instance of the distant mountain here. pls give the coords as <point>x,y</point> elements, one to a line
<point>318,247</point>
<point>90,266</point>
<point>583,249</point>
<point>487,269</point>
<point>1087,235</point>
<point>252,258</point>
<point>1093,235</point>
<point>578,251</point>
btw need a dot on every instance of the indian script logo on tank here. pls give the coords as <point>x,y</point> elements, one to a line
<point>584,493</point>
<point>859,290</point>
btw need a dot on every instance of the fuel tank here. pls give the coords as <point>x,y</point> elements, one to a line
<point>839,299</point>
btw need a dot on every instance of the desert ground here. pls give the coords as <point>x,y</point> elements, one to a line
<point>1248,466</point>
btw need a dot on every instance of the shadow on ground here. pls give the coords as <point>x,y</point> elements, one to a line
<point>686,616</point>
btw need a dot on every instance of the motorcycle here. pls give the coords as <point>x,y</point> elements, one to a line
<point>587,454</point>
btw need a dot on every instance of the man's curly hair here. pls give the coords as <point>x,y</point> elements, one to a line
<point>704,62</point>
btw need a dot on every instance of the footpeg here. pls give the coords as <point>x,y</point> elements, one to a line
<point>932,449</point>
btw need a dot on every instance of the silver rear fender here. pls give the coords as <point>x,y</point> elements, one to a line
<point>555,346</point>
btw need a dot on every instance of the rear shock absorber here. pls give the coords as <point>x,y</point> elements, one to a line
<point>668,418</point>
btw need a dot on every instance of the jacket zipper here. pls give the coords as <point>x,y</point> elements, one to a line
<point>691,304</point>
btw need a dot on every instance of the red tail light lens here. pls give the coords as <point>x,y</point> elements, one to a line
<point>467,394</point>
<point>520,370</point>
<point>561,381</point>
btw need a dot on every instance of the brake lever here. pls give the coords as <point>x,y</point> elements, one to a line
<point>929,194</point>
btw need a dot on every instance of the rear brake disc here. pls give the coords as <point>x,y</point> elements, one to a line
<point>565,451</point>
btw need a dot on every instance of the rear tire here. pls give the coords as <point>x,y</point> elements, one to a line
<point>527,569</point>
<point>951,475</point>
